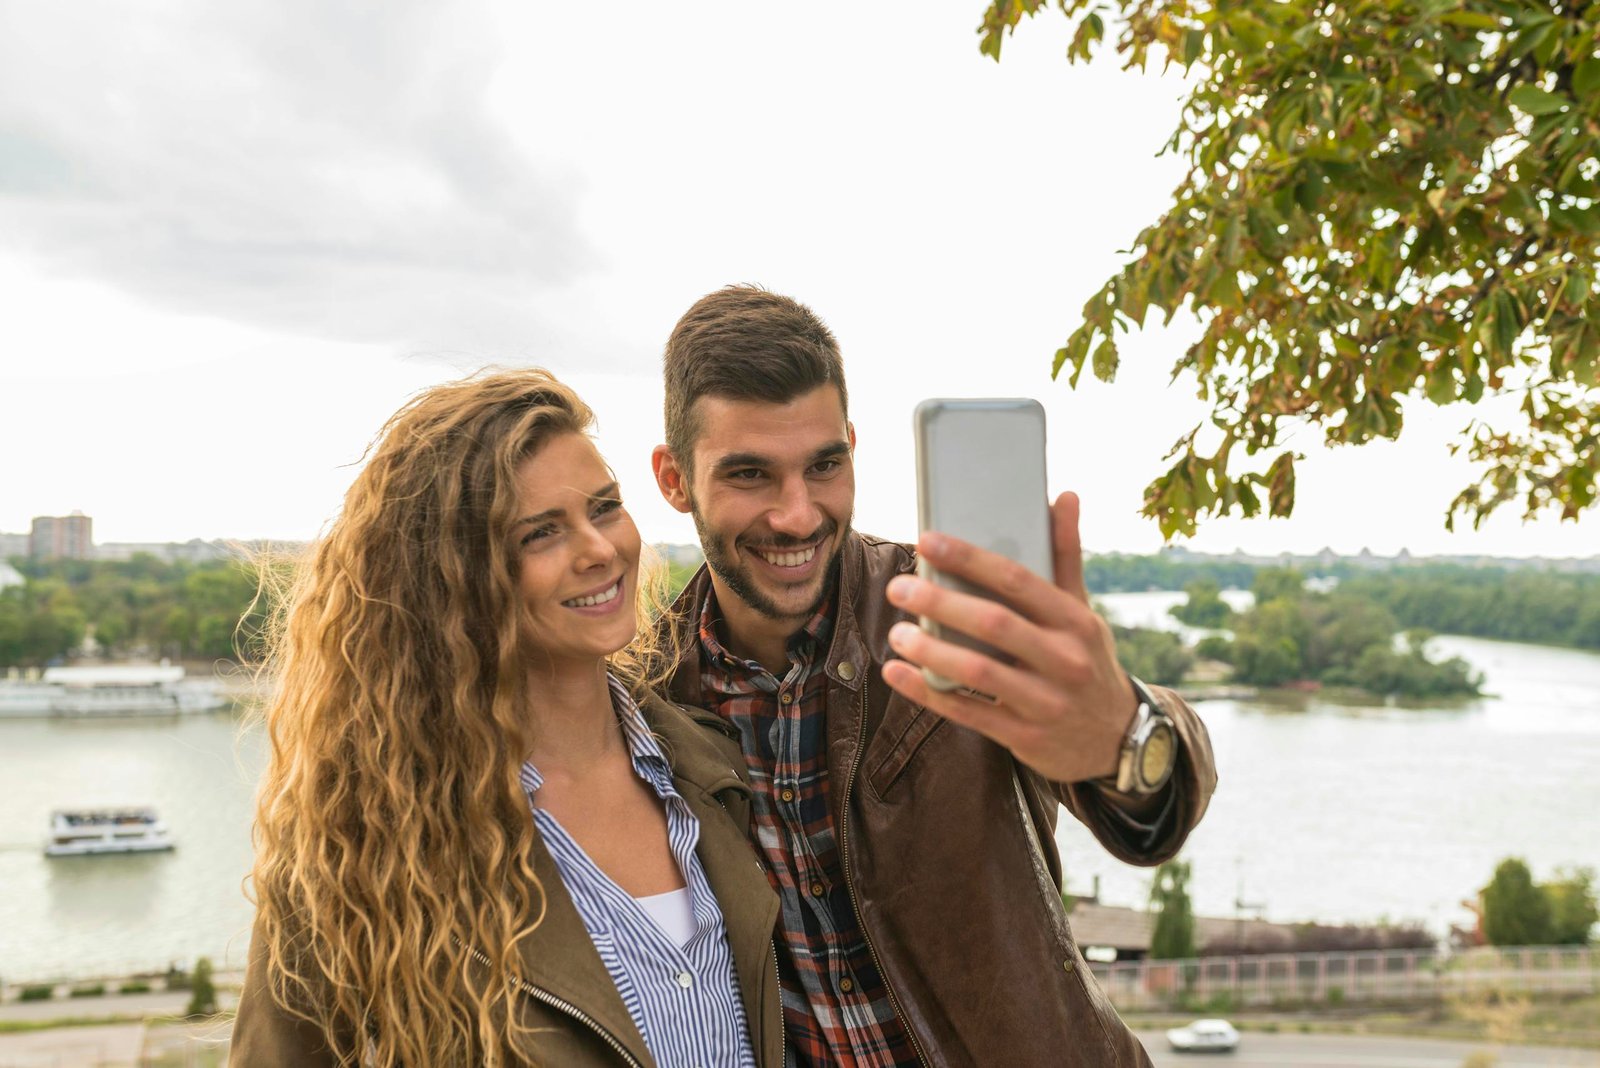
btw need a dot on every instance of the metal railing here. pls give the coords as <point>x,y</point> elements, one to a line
<point>1337,978</point>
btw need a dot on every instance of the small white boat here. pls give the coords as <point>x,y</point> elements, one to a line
<point>111,690</point>
<point>86,832</point>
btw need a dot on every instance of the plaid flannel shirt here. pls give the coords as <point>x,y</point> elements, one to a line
<point>836,1008</point>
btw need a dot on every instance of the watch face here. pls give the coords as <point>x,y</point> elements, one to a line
<point>1155,760</point>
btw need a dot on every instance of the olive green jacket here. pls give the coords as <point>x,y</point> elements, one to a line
<point>565,989</point>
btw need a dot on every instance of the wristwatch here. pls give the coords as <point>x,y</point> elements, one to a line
<point>1149,750</point>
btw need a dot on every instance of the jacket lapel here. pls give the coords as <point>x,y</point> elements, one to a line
<point>559,958</point>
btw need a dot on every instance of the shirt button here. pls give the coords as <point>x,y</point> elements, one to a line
<point>817,889</point>
<point>847,671</point>
<point>846,985</point>
<point>686,980</point>
<point>787,698</point>
<point>786,795</point>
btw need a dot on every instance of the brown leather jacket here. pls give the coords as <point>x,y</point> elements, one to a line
<point>948,848</point>
<point>568,994</point>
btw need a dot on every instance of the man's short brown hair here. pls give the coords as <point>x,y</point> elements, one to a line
<point>745,343</point>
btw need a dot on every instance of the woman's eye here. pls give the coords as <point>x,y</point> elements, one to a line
<point>537,534</point>
<point>607,507</point>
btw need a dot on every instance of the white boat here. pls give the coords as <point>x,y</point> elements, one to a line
<point>85,832</point>
<point>110,690</point>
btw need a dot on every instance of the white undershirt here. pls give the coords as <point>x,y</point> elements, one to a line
<point>673,912</point>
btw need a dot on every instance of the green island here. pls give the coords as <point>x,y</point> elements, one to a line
<point>1345,626</point>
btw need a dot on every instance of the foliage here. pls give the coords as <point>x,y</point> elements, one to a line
<point>88,990</point>
<point>1153,655</point>
<point>203,993</point>
<point>37,992</point>
<point>1319,938</point>
<point>1531,606</point>
<point>1515,911</point>
<point>1173,935</point>
<point>1205,606</point>
<point>1573,911</point>
<point>1339,639</point>
<point>1384,202</point>
<point>134,986</point>
<point>1118,572</point>
<point>143,606</point>
<point>1214,647</point>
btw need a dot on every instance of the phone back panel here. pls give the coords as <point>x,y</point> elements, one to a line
<point>981,477</point>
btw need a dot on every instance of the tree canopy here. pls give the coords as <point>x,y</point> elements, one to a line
<point>1385,202</point>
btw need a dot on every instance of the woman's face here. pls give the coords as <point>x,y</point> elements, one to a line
<point>577,551</point>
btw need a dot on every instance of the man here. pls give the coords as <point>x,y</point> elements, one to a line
<point>908,832</point>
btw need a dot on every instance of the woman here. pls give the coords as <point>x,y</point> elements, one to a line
<point>470,846</point>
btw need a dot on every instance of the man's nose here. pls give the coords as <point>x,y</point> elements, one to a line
<point>796,514</point>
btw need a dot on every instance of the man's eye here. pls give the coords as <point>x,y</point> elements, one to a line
<point>826,467</point>
<point>746,474</point>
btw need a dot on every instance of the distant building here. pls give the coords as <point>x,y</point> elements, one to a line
<point>13,545</point>
<point>193,551</point>
<point>66,537</point>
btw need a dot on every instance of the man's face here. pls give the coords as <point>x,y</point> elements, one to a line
<point>772,491</point>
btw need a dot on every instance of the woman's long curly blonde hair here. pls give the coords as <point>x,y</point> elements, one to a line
<point>392,836</point>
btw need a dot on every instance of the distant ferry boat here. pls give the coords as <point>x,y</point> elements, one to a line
<point>112,690</point>
<point>85,832</point>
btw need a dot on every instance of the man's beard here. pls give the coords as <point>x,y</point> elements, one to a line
<point>719,558</point>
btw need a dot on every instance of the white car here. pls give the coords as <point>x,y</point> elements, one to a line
<point>1204,1036</point>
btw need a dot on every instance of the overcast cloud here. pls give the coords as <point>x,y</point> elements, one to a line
<point>327,170</point>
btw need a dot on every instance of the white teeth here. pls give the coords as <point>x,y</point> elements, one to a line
<point>790,559</point>
<point>599,598</point>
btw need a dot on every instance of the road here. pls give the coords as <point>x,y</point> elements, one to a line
<point>1258,1050</point>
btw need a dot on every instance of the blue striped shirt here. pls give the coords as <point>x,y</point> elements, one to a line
<point>684,999</point>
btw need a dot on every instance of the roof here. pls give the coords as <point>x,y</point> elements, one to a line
<point>1123,928</point>
<point>10,576</point>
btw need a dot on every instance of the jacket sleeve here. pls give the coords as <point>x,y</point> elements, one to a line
<point>1165,820</point>
<point>265,1034</point>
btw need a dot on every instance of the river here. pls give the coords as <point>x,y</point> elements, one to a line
<point>1324,811</point>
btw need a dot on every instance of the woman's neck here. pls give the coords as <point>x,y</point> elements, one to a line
<point>574,724</point>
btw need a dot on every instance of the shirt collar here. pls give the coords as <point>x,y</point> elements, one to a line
<point>813,635</point>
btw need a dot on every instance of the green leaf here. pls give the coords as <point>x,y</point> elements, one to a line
<point>1105,361</point>
<point>1577,286</point>
<point>1586,77</point>
<point>1279,481</point>
<point>1194,43</point>
<point>1535,101</point>
<point>1472,20</point>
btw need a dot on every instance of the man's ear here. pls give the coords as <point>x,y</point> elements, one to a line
<point>850,431</point>
<point>671,479</point>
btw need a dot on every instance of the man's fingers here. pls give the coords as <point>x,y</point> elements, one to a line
<point>1032,595</point>
<point>994,721</point>
<point>1064,539</point>
<point>1025,695</point>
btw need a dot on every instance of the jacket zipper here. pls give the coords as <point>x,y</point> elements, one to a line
<point>849,882</point>
<point>783,1028</point>
<point>542,995</point>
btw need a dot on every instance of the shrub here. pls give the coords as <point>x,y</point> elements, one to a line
<point>203,999</point>
<point>41,992</point>
<point>88,990</point>
<point>135,986</point>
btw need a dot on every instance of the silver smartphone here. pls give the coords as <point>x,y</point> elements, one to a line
<point>981,478</point>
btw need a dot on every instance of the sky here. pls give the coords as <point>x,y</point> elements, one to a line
<point>235,238</point>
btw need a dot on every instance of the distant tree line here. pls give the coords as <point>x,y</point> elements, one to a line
<point>1342,638</point>
<point>1542,607</point>
<point>143,606</point>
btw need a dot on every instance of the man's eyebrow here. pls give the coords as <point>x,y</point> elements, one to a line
<point>735,460</point>
<point>608,492</point>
